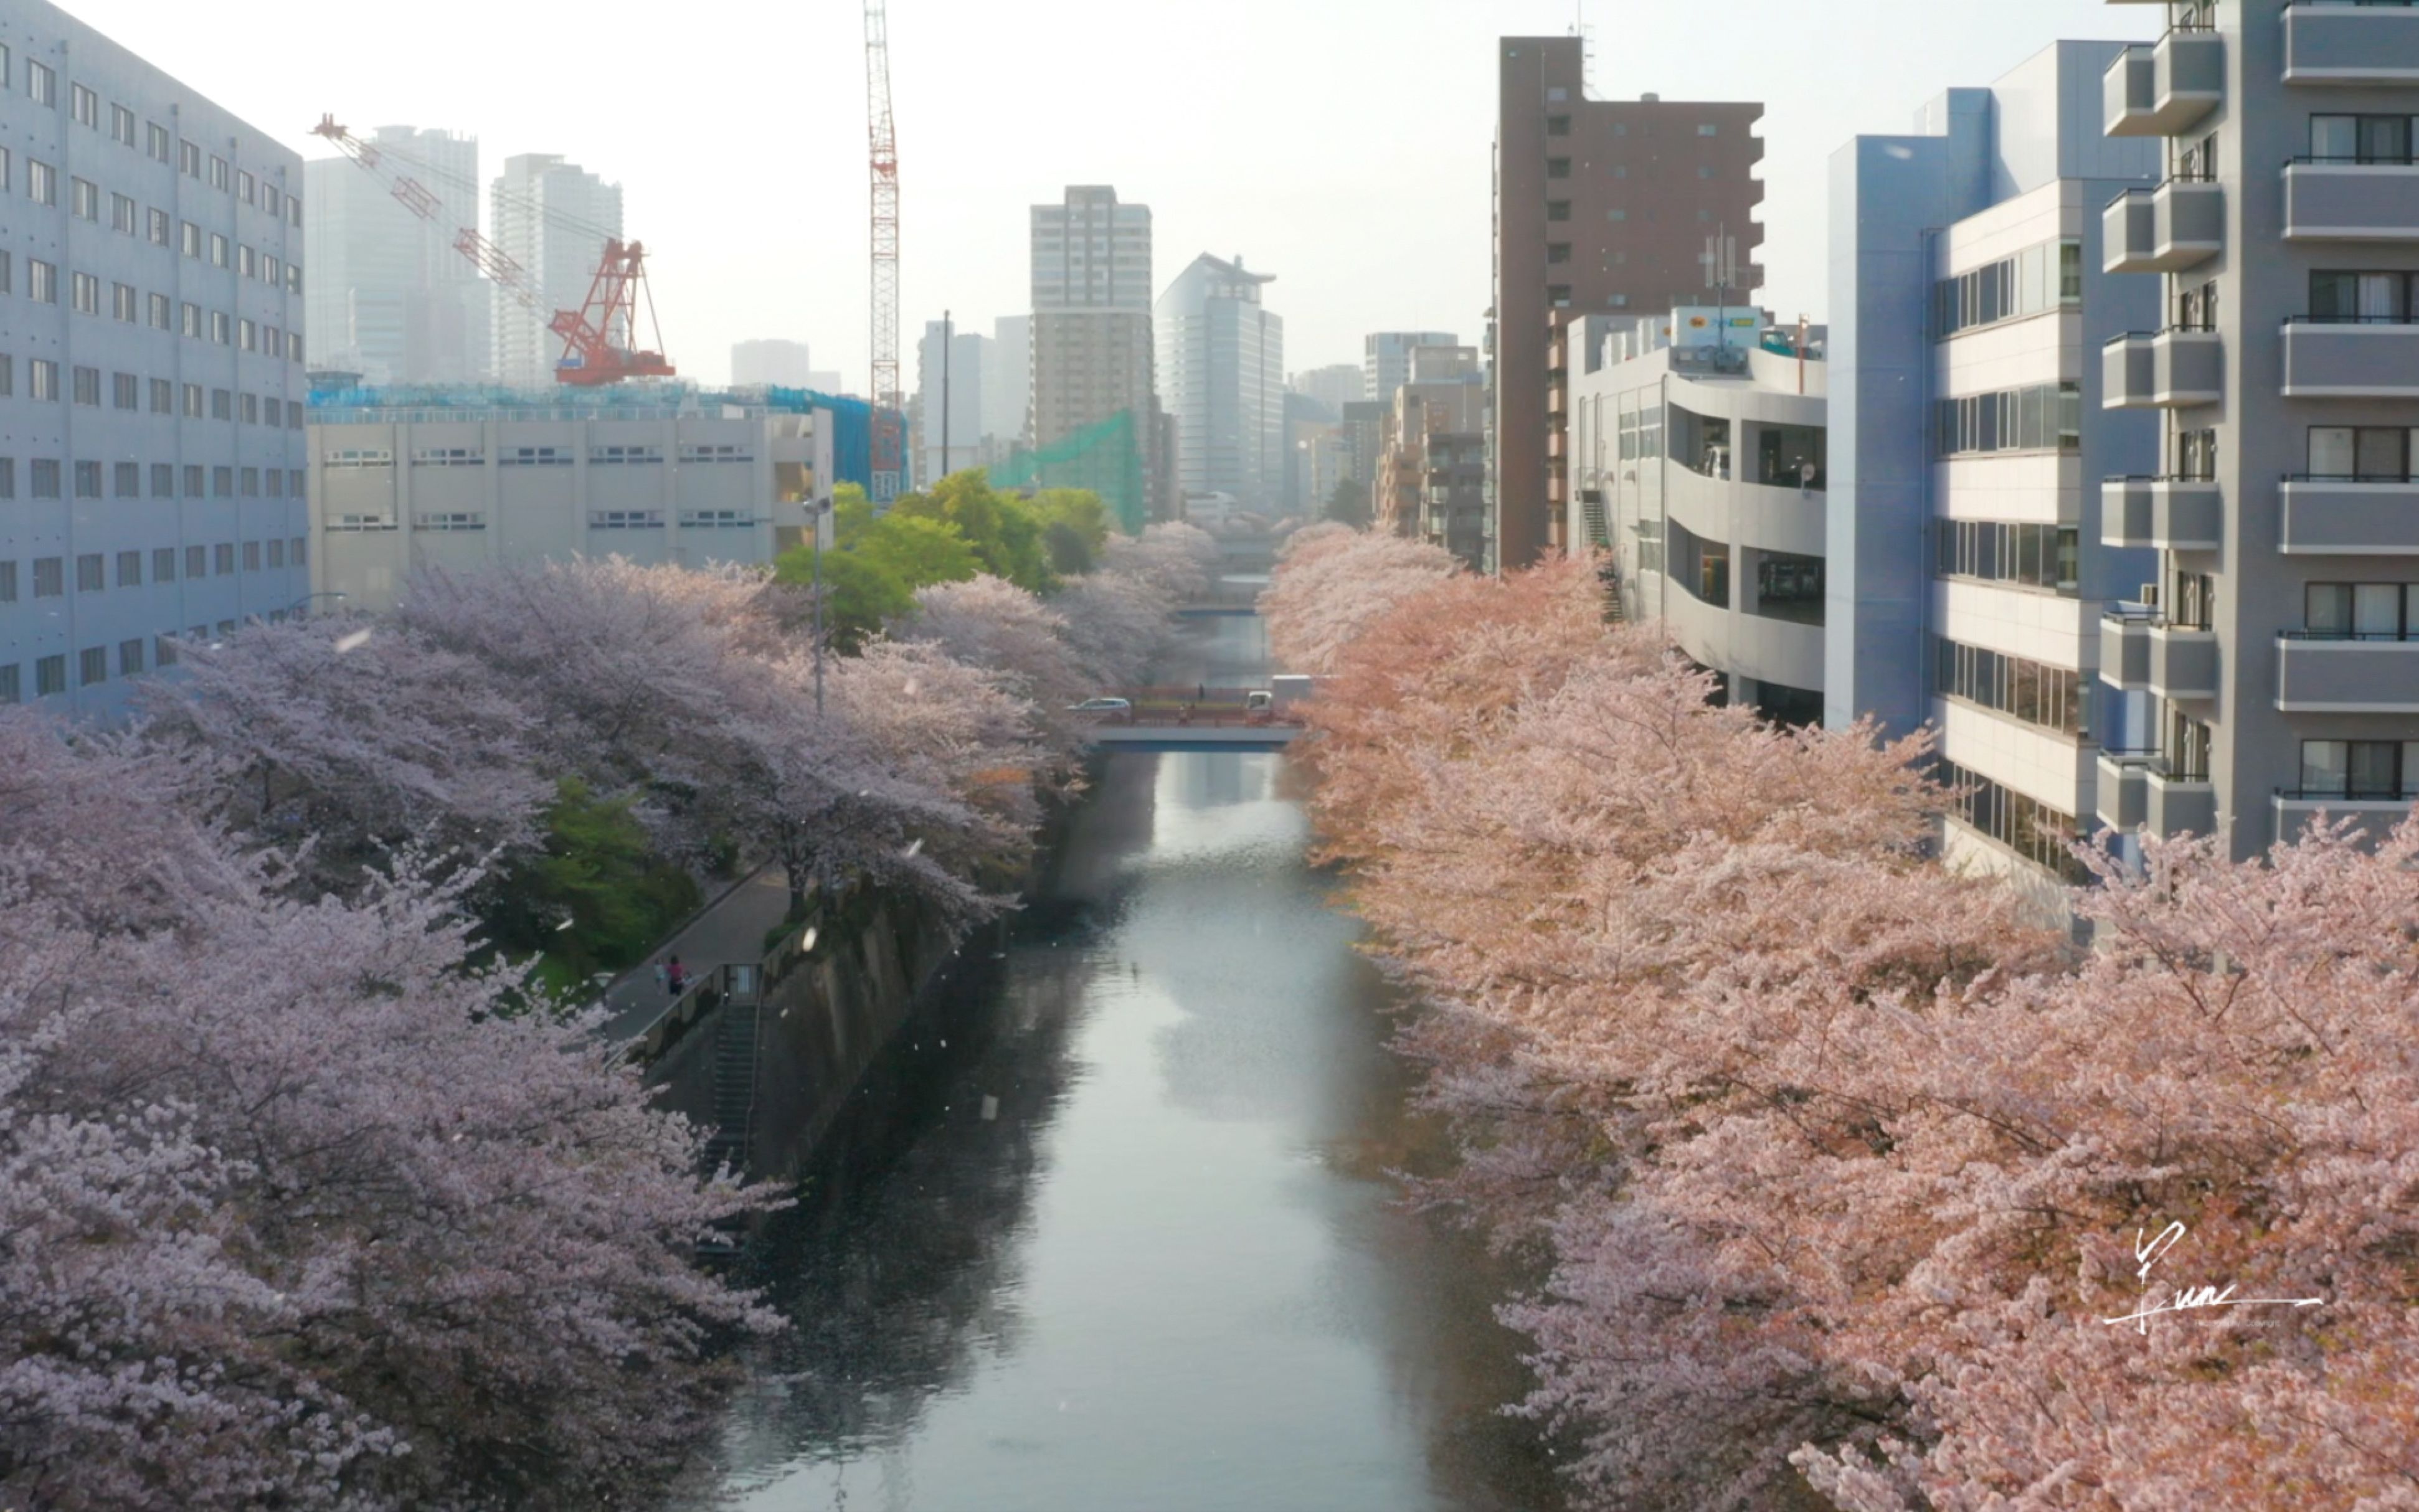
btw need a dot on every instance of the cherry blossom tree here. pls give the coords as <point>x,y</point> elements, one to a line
<point>991,623</point>
<point>361,740</point>
<point>299,1213</point>
<point>1837,1166</point>
<point>1334,581</point>
<point>1180,560</point>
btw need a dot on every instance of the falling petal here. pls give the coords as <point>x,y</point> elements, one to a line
<point>564,925</point>
<point>913,687</point>
<point>806,941</point>
<point>914,850</point>
<point>352,642</point>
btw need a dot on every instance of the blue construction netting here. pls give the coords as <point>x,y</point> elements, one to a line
<point>852,419</point>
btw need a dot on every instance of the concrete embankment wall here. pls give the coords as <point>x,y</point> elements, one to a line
<point>820,1027</point>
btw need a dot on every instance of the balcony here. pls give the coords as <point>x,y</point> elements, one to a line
<point>2351,517</point>
<point>2166,369</point>
<point>2351,199</point>
<point>2351,358</point>
<point>2179,224</point>
<point>2124,789</point>
<point>2140,651</point>
<point>2373,818</point>
<point>2374,46</point>
<point>2161,514</point>
<point>2165,88</point>
<point>2337,674</point>
<point>2177,803</point>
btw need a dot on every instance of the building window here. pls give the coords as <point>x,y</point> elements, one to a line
<point>1558,295</point>
<point>1558,126</point>
<point>84,199</point>
<point>85,293</point>
<point>87,480</point>
<point>219,245</point>
<point>1709,131</point>
<point>163,398</point>
<point>2031,556</point>
<point>163,480</point>
<point>128,480</point>
<point>50,676</point>
<point>43,478</point>
<point>2360,611</point>
<point>41,182</point>
<point>2361,139</point>
<point>41,85</point>
<point>83,105</point>
<point>1558,252</point>
<point>451,522</point>
<point>125,391</point>
<point>218,173</point>
<point>222,558</point>
<point>2360,769</point>
<point>276,552</point>
<point>535,457</point>
<point>42,379</point>
<point>1558,209</point>
<point>222,404</point>
<point>449,457</point>
<point>50,578</point>
<point>358,456</point>
<point>221,329</point>
<point>2032,829</point>
<point>154,140</point>
<point>250,554</point>
<point>2038,279</point>
<point>121,125</point>
<point>87,386</point>
<point>2048,698</point>
<point>1557,167</point>
<point>2045,417</point>
<point>626,519</point>
<point>245,187</point>
<point>163,564</point>
<point>222,482</point>
<point>91,575</point>
<point>130,658</point>
<point>714,452</point>
<point>92,666</point>
<point>42,282</point>
<point>12,688</point>
<point>189,159</point>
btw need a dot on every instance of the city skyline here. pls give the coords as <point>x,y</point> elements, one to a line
<point>1307,186</point>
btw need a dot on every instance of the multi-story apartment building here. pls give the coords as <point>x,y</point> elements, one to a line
<point>473,481</point>
<point>151,366</point>
<point>389,297</point>
<point>1440,406</point>
<point>2278,643</point>
<point>1386,362</point>
<point>1699,463</point>
<point>1094,362</point>
<point>1965,568</point>
<point>553,218</point>
<point>1222,377</point>
<point>1601,206</point>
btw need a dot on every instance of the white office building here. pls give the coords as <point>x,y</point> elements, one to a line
<point>1093,353</point>
<point>389,297</point>
<point>1222,376</point>
<point>672,475</point>
<point>553,218</point>
<point>151,366</point>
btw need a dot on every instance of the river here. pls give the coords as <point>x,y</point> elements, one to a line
<point>1108,1229</point>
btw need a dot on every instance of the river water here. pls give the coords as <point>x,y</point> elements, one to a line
<point>1109,1231</point>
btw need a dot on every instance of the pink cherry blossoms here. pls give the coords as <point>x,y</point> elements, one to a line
<point>1834,1164</point>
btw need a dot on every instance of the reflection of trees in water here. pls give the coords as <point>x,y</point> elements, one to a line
<point>897,1264</point>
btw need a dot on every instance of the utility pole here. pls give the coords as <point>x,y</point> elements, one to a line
<point>823,512</point>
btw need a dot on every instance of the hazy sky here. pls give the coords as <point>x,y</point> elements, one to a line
<point>1342,145</point>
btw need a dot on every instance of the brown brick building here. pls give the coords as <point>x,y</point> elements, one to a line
<point>1601,208</point>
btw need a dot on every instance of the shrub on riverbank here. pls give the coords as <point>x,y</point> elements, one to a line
<point>1829,1155</point>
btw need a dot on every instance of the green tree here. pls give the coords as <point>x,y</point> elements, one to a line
<point>1071,553</point>
<point>1005,533</point>
<point>1349,505</point>
<point>852,512</point>
<point>859,594</point>
<point>1079,509</point>
<point>595,898</point>
<point>918,552</point>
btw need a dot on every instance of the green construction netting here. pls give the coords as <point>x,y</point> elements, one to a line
<point>1105,458</point>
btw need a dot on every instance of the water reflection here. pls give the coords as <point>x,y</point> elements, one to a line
<point>1109,1229</point>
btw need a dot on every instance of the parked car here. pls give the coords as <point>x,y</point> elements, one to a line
<point>1106,711</point>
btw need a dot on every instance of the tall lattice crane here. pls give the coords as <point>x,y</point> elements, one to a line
<point>889,398</point>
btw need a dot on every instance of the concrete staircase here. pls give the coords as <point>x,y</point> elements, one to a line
<point>737,1055</point>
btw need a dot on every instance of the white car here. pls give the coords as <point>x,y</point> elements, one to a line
<point>1107,711</point>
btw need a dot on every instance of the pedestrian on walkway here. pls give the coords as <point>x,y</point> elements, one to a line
<point>1203,691</point>
<point>663,977</point>
<point>675,976</point>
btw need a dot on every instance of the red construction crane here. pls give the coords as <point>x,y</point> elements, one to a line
<point>889,399</point>
<point>599,339</point>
